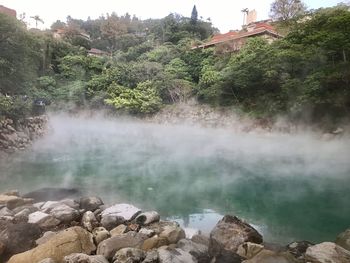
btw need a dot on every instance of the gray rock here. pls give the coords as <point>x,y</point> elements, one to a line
<point>198,251</point>
<point>6,212</point>
<point>268,256</point>
<point>89,221</point>
<point>129,255</point>
<point>121,229</point>
<point>159,227</point>
<point>147,218</point>
<point>12,201</point>
<point>30,207</point>
<point>18,237</point>
<point>71,240</point>
<point>108,247</point>
<point>151,257</point>
<point>43,220</point>
<point>46,237</point>
<point>229,233</point>
<point>23,215</point>
<point>154,242</point>
<point>227,257</point>
<point>174,255</point>
<point>126,211</point>
<point>100,234</point>
<point>64,213</point>
<point>201,239</point>
<point>90,203</point>
<point>147,232</point>
<point>71,203</point>
<point>111,221</point>
<point>343,239</point>
<point>327,252</point>
<point>83,258</point>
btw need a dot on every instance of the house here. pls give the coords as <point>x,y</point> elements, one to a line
<point>8,11</point>
<point>235,40</point>
<point>97,52</point>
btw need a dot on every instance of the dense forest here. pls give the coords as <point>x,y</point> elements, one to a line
<point>151,63</point>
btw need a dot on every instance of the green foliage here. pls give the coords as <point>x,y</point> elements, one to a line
<point>14,107</point>
<point>143,99</point>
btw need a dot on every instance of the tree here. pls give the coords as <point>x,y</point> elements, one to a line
<point>37,19</point>
<point>194,15</point>
<point>286,9</point>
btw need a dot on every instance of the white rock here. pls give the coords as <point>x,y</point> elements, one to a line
<point>128,212</point>
<point>43,220</point>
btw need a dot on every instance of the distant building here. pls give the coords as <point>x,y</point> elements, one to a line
<point>60,33</point>
<point>235,40</point>
<point>8,11</point>
<point>97,52</point>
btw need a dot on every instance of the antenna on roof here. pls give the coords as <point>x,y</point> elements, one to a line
<point>245,12</point>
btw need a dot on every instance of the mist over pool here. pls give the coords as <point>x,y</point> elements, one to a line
<point>291,187</point>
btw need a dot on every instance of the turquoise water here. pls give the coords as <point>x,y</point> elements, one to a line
<point>289,187</point>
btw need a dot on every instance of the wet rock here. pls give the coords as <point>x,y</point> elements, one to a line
<point>71,240</point>
<point>327,252</point>
<point>46,237</point>
<point>248,250</point>
<point>229,233</point>
<point>64,213</point>
<point>343,239</point>
<point>52,194</point>
<point>43,220</point>
<point>89,221</point>
<point>90,203</point>
<point>198,251</point>
<point>126,211</point>
<point>18,237</point>
<point>172,234</point>
<point>268,256</point>
<point>121,229</point>
<point>154,242</point>
<point>147,218</point>
<point>83,258</point>
<point>171,255</point>
<point>100,234</point>
<point>129,255</point>
<point>298,249</point>
<point>108,247</point>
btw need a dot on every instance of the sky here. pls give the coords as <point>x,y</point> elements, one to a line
<point>224,14</point>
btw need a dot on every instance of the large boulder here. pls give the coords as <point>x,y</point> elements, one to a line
<point>108,247</point>
<point>83,258</point>
<point>268,256</point>
<point>343,239</point>
<point>229,233</point>
<point>198,251</point>
<point>17,238</point>
<point>174,255</point>
<point>64,243</point>
<point>90,203</point>
<point>327,252</point>
<point>129,255</point>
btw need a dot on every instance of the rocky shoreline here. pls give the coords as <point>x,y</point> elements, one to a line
<point>15,136</point>
<point>75,229</point>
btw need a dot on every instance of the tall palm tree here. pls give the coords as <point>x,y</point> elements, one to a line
<point>37,19</point>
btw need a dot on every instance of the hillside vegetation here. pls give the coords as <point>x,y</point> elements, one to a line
<point>150,63</point>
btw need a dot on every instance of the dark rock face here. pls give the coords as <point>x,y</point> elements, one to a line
<point>19,237</point>
<point>52,194</point>
<point>229,233</point>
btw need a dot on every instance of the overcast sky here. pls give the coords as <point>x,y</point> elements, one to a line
<point>225,14</point>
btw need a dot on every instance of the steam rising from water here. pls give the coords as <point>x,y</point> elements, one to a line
<point>290,186</point>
